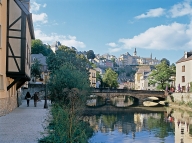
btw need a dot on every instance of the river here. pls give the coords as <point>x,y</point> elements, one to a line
<point>139,125</point>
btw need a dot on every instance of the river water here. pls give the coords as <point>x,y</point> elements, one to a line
<point>139,125</point>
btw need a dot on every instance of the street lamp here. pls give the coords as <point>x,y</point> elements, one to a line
<point>45,74</point>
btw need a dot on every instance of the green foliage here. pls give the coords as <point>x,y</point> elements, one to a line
<point>36,69</point>
<point>110,78</point>
<point>37,47</point>
<point>68,77</point>
<point>66,128</point>
<point>68,87</point>
<point>90,54</point>
<point>66,55</point>
<point>161,75</point>
<point>164,128</point>
<point>166,61</point>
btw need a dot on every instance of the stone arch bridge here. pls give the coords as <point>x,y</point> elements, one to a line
<point>141,95</point>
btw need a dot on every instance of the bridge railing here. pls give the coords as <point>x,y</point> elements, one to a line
<point>107,90</point>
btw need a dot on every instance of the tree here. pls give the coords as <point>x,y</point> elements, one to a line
<point>66,55</point>
<point>110,78</point>
<point>90,54</point>
<point>36,69</point>
<point>65,79</point>
<point>37,47</point>
<point>167,61</point>
<point>161,75</point>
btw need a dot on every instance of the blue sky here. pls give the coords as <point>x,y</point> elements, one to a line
<point>160,27</point>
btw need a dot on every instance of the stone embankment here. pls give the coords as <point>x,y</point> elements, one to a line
<point>180,101</point>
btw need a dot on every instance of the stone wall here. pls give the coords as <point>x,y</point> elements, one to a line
<point>7,105</point>
<point>182,97</point>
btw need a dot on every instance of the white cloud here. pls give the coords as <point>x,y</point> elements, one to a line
<point>34,7</point>
<point>181,9</point>
<point>65,40</point>
<point>40,18</point>
<point>173,36</point>
<point>112,44</point>
<point>152,13</point>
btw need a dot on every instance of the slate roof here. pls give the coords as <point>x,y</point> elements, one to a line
<point>40,58</point>
<point>183,59</point>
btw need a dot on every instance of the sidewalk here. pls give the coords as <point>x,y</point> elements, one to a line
<point>24,124</point>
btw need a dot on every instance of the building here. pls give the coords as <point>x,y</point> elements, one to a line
<point>183,71</point>
<point>92,77</point>
<point>141,71</point>
<point>128,59</point>
<point>44,69</point>
<point>16,32</point>
<point>55,46</point>
<point>144,82</point>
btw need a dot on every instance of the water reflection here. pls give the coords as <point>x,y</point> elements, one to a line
<point>131,127</point>
<point>183,124</point>
<point>122,101</point>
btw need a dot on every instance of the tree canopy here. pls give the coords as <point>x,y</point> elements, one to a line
<point>36,69</point>
<point>90,54</point>
<point>37,47</point>
<point>161,75</point>
<point>110,78</point>
<point>66,55</point>
<point>166,60</point>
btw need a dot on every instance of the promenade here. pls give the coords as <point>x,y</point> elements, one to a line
<point>24,124</point>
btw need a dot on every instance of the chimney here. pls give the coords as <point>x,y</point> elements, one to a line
<point>185,55</point>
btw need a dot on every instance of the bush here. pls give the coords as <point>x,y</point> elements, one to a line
<point>66,128</point>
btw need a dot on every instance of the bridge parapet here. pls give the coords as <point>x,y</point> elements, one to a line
<point>106,90</point>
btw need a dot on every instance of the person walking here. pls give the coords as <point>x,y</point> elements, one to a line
<point>36,98</point>
<point>28,97</point>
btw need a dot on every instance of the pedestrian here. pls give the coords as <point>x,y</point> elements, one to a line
<point>36,98</point>
<point>28,97</point>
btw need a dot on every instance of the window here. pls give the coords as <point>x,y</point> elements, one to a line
<point>1,82</point>
<point>183,68</point>
<point>183,78</point>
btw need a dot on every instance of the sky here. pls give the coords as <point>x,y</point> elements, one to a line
<point>160,27</point>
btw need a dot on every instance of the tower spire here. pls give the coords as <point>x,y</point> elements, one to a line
<point>135,52</point>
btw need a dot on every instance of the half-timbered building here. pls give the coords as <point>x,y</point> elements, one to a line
<point>16,30</point>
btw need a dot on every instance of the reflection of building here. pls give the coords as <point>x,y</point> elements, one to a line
<point>184,70</point>
<point>16,32</point>
<point>183,126</point>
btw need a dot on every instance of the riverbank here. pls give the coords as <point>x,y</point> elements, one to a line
<point>178,106</point>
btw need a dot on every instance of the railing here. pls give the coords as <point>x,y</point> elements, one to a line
<point>108,90</point>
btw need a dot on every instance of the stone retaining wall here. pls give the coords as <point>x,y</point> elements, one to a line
<point>7,105</point>
<point>182,97</point>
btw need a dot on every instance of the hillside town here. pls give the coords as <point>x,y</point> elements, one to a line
<point>79,95</point>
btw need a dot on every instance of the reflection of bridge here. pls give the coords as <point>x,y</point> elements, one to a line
<point>139,94</point>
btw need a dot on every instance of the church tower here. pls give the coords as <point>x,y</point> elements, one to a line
<point>135,53</point>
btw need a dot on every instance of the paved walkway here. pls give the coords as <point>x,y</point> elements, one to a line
<point>24,124</point>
